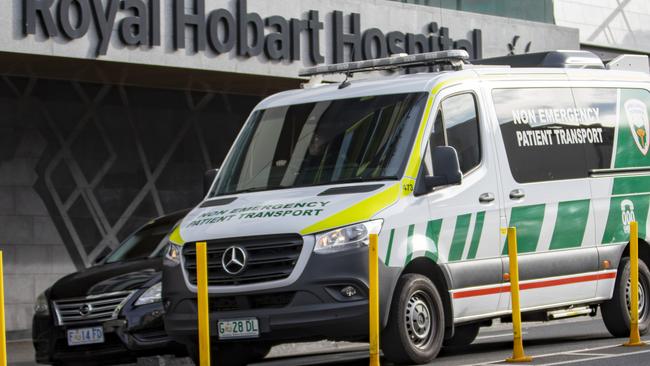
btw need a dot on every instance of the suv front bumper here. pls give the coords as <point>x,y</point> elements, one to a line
<point>138,332</point>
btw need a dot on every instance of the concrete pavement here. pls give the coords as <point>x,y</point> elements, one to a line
<point>579,341</point>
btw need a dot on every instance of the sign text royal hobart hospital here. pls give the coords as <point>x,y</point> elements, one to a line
<point>270,38</point>
<point>277,37</point>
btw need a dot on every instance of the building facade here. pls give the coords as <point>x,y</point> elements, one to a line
<point>608,27</point>
<point>112,110</point>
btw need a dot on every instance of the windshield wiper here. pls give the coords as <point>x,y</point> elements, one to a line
<point>362,179</point>
<point>342,181</point>
<point>259,189</point>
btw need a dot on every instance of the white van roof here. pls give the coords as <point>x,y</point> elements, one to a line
<point>425,82</point>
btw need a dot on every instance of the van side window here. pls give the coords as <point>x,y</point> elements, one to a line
<point>539,126</point>
<point>461,123</point>
<point>567,133</point>
<point>456,125</point>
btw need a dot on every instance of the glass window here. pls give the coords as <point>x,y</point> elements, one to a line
<point>142,244</point>
<point>461,124</point>
<point>556,133</point>
<point>535,10</point>
<point>456,125</point>
<point>598,155</point>
<point>339,141</point>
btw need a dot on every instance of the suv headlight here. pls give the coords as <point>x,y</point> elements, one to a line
<point>173,253</point>
<point>153,294</point>
<point>349,237</point>
<point>42,307</point>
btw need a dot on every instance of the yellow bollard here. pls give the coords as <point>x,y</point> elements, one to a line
<point>373,301</point>
<point>635,338</point>
<point>3,339</point>
<point>518,345</point>
<point>202,299</point>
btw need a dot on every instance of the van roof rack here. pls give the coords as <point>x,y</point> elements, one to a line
<point>455,58</point>
<point>565,59</point>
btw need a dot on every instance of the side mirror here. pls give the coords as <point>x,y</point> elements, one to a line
<point>446,168</point>
<point>208,179</point>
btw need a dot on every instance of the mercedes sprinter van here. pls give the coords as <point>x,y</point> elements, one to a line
<point>437,163</point>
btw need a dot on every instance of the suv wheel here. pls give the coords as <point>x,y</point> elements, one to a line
<point>416,323</point>
<point>616,311</point>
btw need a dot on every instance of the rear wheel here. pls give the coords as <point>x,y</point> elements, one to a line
<point>463,335</point>
<point>416,324</point>
<point>616,311</point>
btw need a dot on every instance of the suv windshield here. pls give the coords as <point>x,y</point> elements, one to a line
<point>144,243</point>
<point>338,141</point>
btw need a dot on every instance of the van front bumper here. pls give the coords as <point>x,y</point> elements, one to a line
<point>313,307</point>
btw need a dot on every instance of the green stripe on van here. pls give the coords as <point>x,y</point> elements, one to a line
<point>433,234</point>
<point>528,221</point>
<point>570,224</point>
<point>460,236</point>
<point>631,185</point>
<point>476,236</point>
<point>390,246</point>
<point>409,243</point>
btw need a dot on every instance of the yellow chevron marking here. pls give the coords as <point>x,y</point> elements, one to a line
<point>176,237</point>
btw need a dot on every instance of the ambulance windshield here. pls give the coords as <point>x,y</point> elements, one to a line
<point>329,142</point>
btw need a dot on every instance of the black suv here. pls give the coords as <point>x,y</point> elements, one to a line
<point>111,312</point>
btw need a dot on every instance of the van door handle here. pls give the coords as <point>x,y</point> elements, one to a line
<point>486,197</point>
<point>516,194</point>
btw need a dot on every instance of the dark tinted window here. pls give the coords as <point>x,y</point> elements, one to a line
<point>556,133</point>
<point>144,243</point>
<point>599,156</point>
<point>461,123</point>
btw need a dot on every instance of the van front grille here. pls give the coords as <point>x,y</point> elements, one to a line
<point>268,258</point>
<point>90,309</point>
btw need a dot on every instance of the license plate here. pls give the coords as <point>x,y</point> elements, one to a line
<point>238,328</point>
<point>81,336</point>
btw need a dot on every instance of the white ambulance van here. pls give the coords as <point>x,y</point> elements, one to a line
<point>437,163</point>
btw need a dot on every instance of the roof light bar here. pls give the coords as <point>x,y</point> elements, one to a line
<point>456,58</point>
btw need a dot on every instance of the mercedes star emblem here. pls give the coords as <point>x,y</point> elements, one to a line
<point>234,260</point>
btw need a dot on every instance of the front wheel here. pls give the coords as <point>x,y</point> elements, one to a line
<point>416,323</point>
<point>616,311</point>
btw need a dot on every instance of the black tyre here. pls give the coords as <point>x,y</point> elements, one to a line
<point>416,323</point>
<point>464,335</point>
<point>616,313</point>
<point>232,354</point>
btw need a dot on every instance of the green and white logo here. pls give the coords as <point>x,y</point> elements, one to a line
<point>627,214</point>
<point>637,116</point>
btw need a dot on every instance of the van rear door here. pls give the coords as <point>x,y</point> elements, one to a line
<point>620,180</point>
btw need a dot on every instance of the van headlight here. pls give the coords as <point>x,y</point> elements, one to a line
<point>42,307</point>
<point>349,237</point>
<point>153,294</point>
